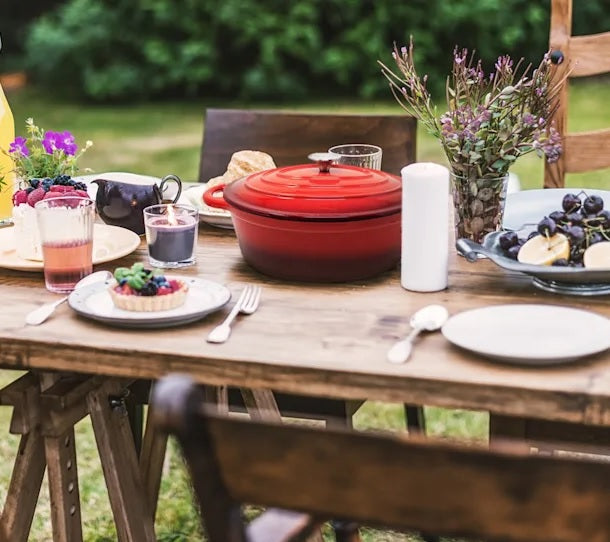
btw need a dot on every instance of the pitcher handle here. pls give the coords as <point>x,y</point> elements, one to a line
<point>174,178</point>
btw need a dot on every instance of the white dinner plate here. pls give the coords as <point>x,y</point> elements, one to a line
<point>530,206</point>
<point>204,296</point>
<point>529,334</point>
<point>109,243</point>
<point>214,217</point>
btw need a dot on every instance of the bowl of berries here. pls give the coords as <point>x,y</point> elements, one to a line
<point>566,251</point>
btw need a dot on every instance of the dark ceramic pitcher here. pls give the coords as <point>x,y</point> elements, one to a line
<point>121,203</point>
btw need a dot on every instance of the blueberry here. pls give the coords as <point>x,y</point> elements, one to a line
<point>34,183</point>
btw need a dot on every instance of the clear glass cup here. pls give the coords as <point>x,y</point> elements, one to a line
<point>65,225</point>
<point>358,154</point>
<point>171,234</point>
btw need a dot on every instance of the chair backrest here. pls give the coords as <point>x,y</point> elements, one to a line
<point>379,480</point>
<point>290,137</point>
<point>583,56</point>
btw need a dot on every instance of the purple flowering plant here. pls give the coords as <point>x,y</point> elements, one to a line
<point>43,154</point>
<point>490,121</point>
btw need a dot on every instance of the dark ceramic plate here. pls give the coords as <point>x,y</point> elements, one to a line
<point>565,280</point>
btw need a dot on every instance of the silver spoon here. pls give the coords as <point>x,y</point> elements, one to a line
<point>429,318</point>
<point>39,315</point>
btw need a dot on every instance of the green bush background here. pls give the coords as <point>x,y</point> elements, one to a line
<point>272,49</point>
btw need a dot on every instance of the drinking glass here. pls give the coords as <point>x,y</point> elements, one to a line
<point>171,234</point>
<point>358,154</point>
<point>65,224</point>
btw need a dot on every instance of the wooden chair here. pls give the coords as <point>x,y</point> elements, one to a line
<point>584,56</point>
<point>290,137</point>
<point>385,481</point>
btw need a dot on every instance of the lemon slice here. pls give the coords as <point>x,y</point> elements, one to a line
<point>541,250</point>
<point>597,255</point>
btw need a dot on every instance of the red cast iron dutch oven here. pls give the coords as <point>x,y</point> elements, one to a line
<point>317,222</point>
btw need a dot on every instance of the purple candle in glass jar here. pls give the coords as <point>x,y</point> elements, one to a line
<point>171,234</point>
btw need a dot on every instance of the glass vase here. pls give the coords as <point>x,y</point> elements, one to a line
<point>478,205</point>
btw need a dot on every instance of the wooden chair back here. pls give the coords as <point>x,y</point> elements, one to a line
<point>583,56</point>
<point>378,480</point>
<point>290,137</point>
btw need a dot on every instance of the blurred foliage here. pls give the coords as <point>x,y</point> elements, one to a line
<point>275,49</point>
<point>15,15</point>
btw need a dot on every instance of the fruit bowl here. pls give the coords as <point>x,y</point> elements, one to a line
<point>564,280</point>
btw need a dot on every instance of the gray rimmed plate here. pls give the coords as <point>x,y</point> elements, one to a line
<point>204,296</point>
<point>564,280</point>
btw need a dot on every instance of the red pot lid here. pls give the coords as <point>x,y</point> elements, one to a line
<point>319,192</point>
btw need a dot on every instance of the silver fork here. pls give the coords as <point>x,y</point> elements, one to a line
<point>247,303</point>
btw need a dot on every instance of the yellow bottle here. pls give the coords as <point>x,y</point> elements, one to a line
<point>7,135</point>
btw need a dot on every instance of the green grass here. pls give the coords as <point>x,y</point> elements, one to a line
<point>161,138</point>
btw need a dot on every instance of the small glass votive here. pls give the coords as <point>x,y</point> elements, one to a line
<point>171,234</point>
<point>358,154</point>
<point>65,224</point>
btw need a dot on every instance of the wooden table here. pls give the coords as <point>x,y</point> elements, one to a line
<point>317,339</point>
<point>311,339</point>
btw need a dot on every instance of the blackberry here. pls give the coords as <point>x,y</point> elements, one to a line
<point>149,289</point>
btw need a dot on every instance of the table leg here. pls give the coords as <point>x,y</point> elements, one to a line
<point>152,456</point>
<point>63,487</point>
<point>131,510</point>
<point>261,404</point>
<point>24,487</point>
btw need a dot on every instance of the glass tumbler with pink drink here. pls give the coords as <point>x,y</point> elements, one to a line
<point>66,233</point>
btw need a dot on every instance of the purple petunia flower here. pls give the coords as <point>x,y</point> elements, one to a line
<point>51,142</point>
<point>66,143</point>
<point>19,146</point>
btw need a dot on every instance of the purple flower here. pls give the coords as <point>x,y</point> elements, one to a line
<point>19,146</point>
<point>66,143</point>
<point>529,120</point>
<point>51,142</point>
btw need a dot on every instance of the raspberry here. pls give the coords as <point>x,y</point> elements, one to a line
<point>19,197</point>
<point>35,196</point>
<point>164,290</point>
<point>81,193</point>
<point>174,285</point>
<point>60,188</point>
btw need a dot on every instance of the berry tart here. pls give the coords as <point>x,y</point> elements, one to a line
<point>143,290</point>
<point>27,239</point>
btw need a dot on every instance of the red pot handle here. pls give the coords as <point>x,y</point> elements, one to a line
<point>214,197</point>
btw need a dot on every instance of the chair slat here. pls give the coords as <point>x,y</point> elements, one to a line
<point>587,151</point>
<point>430,487</point>
<point>590,55</point>
<point>290,137</point>
<point>583,55</point>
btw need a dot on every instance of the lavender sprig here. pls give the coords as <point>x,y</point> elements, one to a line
<point>491,119</point>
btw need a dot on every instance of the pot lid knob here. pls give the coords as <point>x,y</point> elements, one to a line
<point>324,160</point>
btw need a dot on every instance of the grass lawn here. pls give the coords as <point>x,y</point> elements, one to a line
<point>158,139</point>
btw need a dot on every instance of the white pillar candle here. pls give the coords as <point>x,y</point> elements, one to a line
<point>425,227</point>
